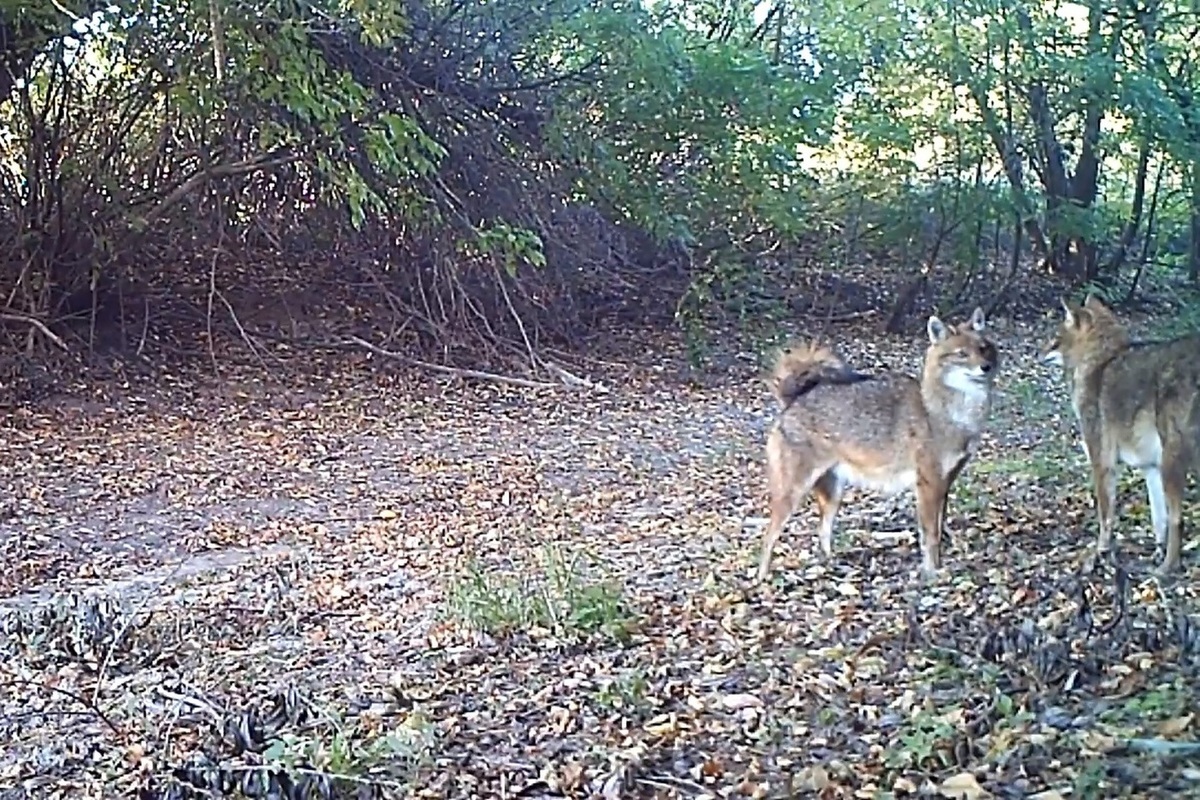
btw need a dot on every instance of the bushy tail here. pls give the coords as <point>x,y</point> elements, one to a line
<point>801,368</point>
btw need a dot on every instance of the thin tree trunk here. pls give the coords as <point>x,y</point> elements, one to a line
<point>1194,239</point>
<point>1135,213</point>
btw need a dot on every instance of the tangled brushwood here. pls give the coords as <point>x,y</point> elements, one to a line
<point>1067,630</point>
<point>280,744</point>
<point>75,627</point>
<point>395,178</point>
<point>284,746</point>
<point>243,755</point>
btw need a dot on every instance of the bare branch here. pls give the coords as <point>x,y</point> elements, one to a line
<point>455,371</point>
<point>265,162</point>
<point>11,316</point>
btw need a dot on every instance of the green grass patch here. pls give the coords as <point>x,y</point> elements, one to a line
<point>1027,399</point>
<point>560,594</point>
<point>1147,709</point>
<point>351,756</point>
<point>623,692</point>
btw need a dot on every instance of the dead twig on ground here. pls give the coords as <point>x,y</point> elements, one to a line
<point>11,316</point>
<point>455,371</point>
<point>90,705</point>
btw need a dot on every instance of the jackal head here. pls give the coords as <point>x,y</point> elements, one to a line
<point>1083,329</point>
<point>963,356</point>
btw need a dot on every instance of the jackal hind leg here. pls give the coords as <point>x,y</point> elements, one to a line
<point>790,478</point>
<point>1156,497</point>
<point>1104,484</point>
<point>828,492</point>
<point>1169,532</point>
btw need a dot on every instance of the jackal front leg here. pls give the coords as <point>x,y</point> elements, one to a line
<point>1104,482</point>
<point>955,471</point>
<point>931,499</point>
<point>1173,481</point>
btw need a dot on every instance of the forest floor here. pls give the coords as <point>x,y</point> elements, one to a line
<point>358,577</point>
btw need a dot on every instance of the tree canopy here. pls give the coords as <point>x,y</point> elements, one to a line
<point>501,171</point>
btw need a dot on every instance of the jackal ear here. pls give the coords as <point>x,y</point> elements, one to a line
<point>978,321</point>
<point>937,330</point>
<point>1095,305</point>
<point>1069,315</point>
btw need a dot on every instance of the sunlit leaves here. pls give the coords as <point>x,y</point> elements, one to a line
<point>683,133</point>
<point>379,23</point>
<point>511,246</point>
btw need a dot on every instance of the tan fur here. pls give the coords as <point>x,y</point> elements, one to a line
<point>838,428</point>
<point>1137,404</point>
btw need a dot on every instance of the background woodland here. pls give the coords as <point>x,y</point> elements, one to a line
<point>480,180</point>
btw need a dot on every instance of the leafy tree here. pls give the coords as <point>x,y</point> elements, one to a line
<point>499,171</point>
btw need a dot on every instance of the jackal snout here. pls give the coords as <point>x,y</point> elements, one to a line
<point>1083,328</point>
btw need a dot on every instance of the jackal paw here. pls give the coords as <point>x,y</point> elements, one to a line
<point>1097,558</point>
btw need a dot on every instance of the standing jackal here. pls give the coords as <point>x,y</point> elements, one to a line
<point>838,428</point>
<point>1137,403</point>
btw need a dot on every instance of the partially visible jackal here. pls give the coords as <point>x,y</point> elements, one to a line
<point>839,428</point>
<point>1137,403</point>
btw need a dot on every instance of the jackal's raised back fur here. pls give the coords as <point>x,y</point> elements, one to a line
<point>1137,403</point>
<point>891,432</point>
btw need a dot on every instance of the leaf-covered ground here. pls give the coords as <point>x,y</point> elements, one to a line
<point>368,581</point>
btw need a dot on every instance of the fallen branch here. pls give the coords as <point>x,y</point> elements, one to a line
<point>10,316</point>
<point>571,379</point>
<point>125,626</point>
<point>91,706</point>
<point>455,371</point>
<point>1163,746</point>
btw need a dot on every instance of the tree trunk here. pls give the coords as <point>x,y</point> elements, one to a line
<point>1194,239</point>
<point>1070,194</point>
<point>1135,212</point>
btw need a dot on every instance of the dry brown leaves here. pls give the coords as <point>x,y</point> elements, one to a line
<point>297,544</point>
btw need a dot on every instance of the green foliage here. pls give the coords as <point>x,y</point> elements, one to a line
<point>627,690</point>
<point>511,246</point>
<point>562,600</point>
<point>348,755</point>
<point>926,742</point>
<point>690,138</point>
<point>726,130</point>
<point>273,83</point>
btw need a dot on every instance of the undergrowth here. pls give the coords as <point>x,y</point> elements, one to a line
<point>560,597</point>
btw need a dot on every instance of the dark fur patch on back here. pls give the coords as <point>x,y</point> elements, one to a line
<point>828,376</point>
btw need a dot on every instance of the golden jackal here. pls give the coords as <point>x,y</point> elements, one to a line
<point>838,428</point>
<point>1136,403</point>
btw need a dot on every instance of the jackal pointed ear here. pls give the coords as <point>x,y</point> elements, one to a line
<point>978,321</point>
<point>1068,313</point>
<point>936,329</point>
<point>1093,303</point>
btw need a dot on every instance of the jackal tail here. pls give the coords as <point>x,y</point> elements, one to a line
<point>801,368</point>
